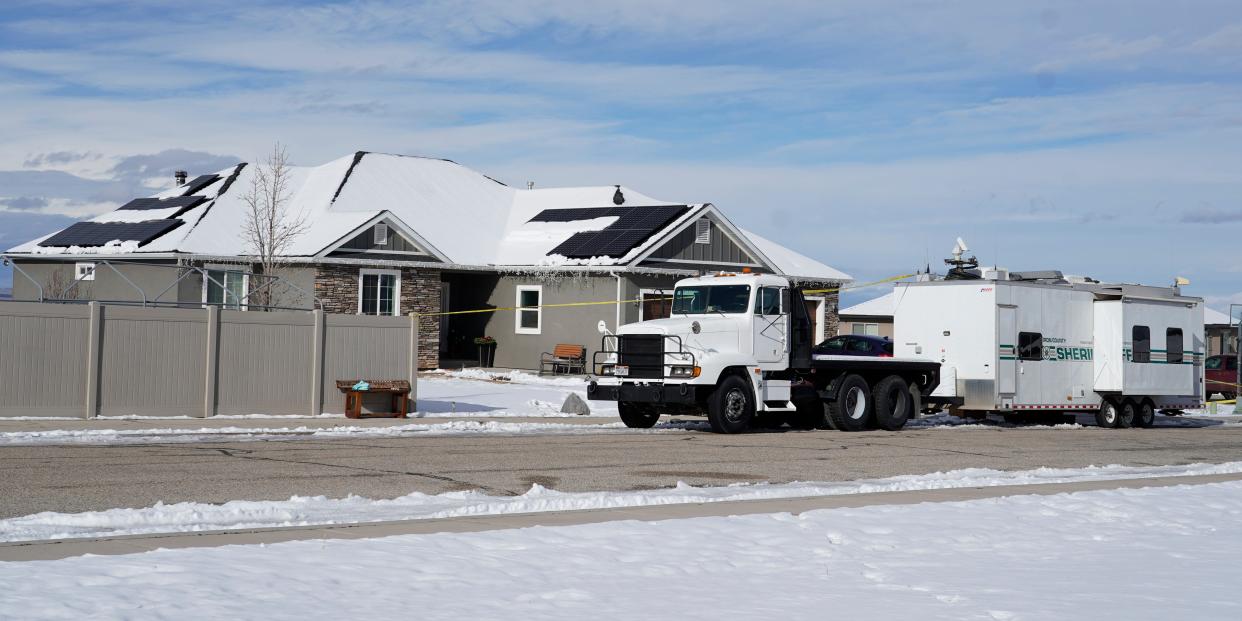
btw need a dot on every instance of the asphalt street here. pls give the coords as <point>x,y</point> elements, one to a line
<point>82,478</point>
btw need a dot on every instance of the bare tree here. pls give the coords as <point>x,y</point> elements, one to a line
<point>270,228</point>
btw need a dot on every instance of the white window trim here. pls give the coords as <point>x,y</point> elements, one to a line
<point>517,314</point>
<point>396,289</point>
<point>77,271</point>
<point>643,293</point>
<point>380,239</point>
<point>821,305</point>
<point>244,305</point>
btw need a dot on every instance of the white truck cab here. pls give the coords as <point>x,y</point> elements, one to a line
<point>736,347</point>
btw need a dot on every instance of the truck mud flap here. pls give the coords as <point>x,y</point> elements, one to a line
<point>642,393</point>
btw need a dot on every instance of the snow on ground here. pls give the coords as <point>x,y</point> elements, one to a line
<point>303,511</point>
<point>1154,553</point>
<point>474,392</point>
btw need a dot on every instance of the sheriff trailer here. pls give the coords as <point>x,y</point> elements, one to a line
<point>1041,342</point>
<point>737,347</point>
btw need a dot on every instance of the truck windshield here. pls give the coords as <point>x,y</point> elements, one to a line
<point>714,299</point>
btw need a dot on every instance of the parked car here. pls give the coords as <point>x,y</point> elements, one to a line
<point>1222,375</point>
<point>856,345</point>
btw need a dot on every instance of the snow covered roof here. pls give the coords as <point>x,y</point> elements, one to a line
<point>877,307</point>
<point>790,263</point>
<point>457,215</point>
<point>1213,317</point>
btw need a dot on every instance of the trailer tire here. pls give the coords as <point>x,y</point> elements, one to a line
<point>637,415</point>
<point>893,404</point>
<point>1108,414</point>
<point>1145,415</point>
<point>853,409</point>
<point>731,406</point>
<point>1126,414</point>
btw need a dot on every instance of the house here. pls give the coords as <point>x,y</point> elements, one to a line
<point>873,317</point>
<point>395,234</point>
<point>1220,333</point>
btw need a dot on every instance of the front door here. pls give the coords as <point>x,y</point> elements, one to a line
<point>770,325</point>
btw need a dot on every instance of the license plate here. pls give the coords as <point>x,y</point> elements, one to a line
<point>620,371</point>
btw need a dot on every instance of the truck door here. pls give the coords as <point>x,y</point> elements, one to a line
<point>1007,349</point>
<point>769,326</point>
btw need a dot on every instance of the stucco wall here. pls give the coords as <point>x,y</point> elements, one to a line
<point>56,277</point>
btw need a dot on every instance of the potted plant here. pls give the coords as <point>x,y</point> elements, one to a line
<point>487,350</point>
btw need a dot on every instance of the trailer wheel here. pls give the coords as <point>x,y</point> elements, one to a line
<point>893,405</point>
<point>853,409</point>
<point>1108,414</point>
<point>1126,414</point>
<point>637,415</point>
<point>731,406</point>
<point>1145,415</point>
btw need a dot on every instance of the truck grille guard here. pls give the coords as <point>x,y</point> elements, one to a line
<point>646,355</point>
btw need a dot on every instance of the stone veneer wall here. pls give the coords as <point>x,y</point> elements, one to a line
<point>337,287</point>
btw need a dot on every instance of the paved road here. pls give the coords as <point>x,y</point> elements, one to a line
<point>81,478</point>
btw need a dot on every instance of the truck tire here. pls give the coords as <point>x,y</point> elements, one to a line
<point>853,409</point>
<point>1145,415</point>
<point>1126,414</point>
<point>1108,414</point>
<point>731,406</point>
<point>637,415</point>
<point>893,405</point>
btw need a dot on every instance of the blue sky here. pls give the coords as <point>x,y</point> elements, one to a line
<point>1098,138</point>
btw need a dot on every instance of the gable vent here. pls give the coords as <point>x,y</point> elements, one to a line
<point>703,231</point>
<point>381,234</point>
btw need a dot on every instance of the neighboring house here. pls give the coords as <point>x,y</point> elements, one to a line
<point>391,234</point>
<point>1220,333</point>
<point>873,317</point>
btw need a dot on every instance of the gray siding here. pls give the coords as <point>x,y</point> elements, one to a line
<point>108,285</point>
<point>366,241</point>
<point>682,248</point>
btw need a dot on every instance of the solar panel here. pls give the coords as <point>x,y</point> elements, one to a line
<point>184,202</point>
<point>100,233</point>
<point>198,183</point>
<point>634,226</point>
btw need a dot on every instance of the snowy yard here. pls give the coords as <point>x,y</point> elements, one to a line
<point>1154,553</point>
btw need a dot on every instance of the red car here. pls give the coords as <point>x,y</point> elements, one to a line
<point>1222,375</point>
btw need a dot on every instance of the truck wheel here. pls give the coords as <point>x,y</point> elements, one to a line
<point>1108,414</point>
<point>1145,415</point>
<point>893,405</point>
<point>731,406</point>
<point>1126,414</point>
<point>637,416</point>
<point>852,410</point>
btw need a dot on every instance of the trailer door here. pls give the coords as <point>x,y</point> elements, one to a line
<point>1007,349</point>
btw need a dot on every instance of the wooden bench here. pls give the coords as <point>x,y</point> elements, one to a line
<point>399,389</point>
<point>563,356</point>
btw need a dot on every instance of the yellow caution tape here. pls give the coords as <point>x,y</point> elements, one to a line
<point>632,301</point>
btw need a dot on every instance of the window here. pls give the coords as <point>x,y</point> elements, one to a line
<point>529,312</point>
<point>834,345</point>
<point>1140,350</point>
<point>1030,346</point>
<point>225,288</point>
<point>654,305</point>
<point>711,299</point>
<point>703,231</point>
<point>379,292</point>
<point>381,234</point>
<point>1213,363</point>
<point>1173,345</point>
<point>859,346</point>
<point>865,329</point>
<point>768,302</point>
<point>85,271</point>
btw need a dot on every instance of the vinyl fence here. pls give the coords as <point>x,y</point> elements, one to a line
<point>104,360</point>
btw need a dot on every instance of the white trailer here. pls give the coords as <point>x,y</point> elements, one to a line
<point>1016,344</point>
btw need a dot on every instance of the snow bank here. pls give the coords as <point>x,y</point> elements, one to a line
<point>303,511</point>
<point>1116,554</point>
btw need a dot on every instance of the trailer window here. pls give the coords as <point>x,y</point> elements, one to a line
<point>1140,349</point>
<point>1173,345</point>
<point>1030,346</point>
